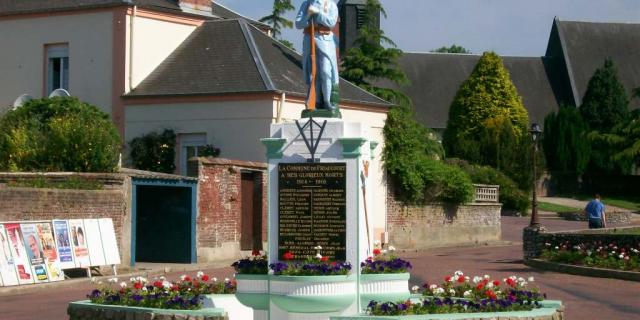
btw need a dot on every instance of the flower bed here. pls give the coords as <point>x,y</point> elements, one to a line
<point>594,254</point>
<point>385,277</point>
<point>185,294</point>
<point>252,279</point>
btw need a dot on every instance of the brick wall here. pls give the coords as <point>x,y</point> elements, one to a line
<point>219,207</point>
<point>435,225</point>
<point>29,204</point>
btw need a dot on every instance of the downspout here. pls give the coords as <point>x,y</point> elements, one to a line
<point>280,106</point>
<point>131,41</point>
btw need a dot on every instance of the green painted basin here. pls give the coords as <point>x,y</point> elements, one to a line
<point>255,298</point>
<point>384,287</point>
<point>313,294</point>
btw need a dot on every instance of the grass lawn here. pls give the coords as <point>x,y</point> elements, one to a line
<point>550,207</point>
<point>620,202</point>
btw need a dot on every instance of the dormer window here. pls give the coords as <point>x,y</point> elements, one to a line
<point>57,67</point>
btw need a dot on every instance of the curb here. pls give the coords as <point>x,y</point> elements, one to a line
<point>583,271</point>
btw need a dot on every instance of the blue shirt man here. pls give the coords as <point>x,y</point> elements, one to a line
<point>595,212</point>
<point>324,15</point>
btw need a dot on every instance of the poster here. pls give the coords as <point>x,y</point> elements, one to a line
<point>63,244</point>
<point>7,264</point>
<point>34,252</point>
<point>45,235</point>
<point>109,242</point>
<point>94,242</point>
<point>19,253</point>
<point>79,243</point>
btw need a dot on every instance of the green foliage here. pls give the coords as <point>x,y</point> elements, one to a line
<point>511,196</point>
<point>453,49</point>
<point>371,60</point>
<point>605,102</point>
<point>277,20</point>
<point>620,148</point>
<point>58,134</point>
<point>565,145</point>
<point>488,123</point>
<point>154,151</point>
<point>77,183</point>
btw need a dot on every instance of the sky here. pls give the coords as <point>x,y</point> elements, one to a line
<point>508,27</point>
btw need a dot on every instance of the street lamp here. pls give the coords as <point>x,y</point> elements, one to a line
<point>535,135</point>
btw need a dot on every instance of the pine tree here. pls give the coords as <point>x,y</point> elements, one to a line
<point>488,93</point>
<point>605,103</point>
<point>370,60</point>
<point>277,20</point>
<point>565,145</point>
<point>620,148</point>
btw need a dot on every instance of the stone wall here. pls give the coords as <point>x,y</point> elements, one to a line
<point>622,217</point>
<point>219,204</point>
<point>436,225</point>
<point>32,204</point>
<point>77,311</point>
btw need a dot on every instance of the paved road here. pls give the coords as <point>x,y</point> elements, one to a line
<point>586,298</point>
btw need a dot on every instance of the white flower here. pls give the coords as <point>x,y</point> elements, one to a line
<point>93,279</point>
<point>132,279</point>
<point>415,289</point>
<point>215,279</point>
<point>490,285</point>
<point>226,280</point>
<point>144,289</point>
<point>530,279</point>
<point>455,278</point>
<point>163,278</point>
<point>452,292</point>
<point>99,282</point>
<point>182,277</point>
<point>458,273</point>
<point>376,243</point>
<point>318,256</point>
<point>392,248</point>
<point>123,284</point>
<point>621,256</point>
<point>166,284</point>
<point>486,276</point>
<point>438,291</point>
<point>383,251</point>
<point>467,293</point>
<point>199,274</point>
<point>113,280</point>
<point>318,248</point>
<point>466,278</point>
<point>433,287</point>
<point>557,248</point>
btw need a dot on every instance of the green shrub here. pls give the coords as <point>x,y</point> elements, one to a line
<point>565,145</point>
<point>154,151</point>
<point>605,102</point>
<point>511,197</point>
<point>58,134</point>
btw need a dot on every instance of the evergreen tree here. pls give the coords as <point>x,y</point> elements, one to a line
<point>605,103</point>
<point>620,148</point>
<point>565,145</point>
<point>277,20</point>
<point>370,60</point>
<point>488,93</point>
<point>453,49</point>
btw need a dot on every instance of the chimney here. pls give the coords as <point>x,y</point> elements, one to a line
<point>202,7</point>
<point>351,19</point>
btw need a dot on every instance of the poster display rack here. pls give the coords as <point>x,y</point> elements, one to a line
<point>39,251</point>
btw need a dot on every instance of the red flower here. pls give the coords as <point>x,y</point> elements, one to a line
<point>187,278</point>
<point>324,259</point>
<point>480,286</point>
<point>511,282</point>
<point>376,252</point>
<point>334,263</point>
<point>137,285</point>
<point>461,279</point>
<point>157,284</point>
<point>205,278</point>
<point>447,278</point>
<point>175,287</point>
<point>496,283</point>
<point>255,252</point>
<point>288,255</point>
<point>491,295</point>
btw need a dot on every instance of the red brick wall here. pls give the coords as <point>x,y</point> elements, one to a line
<point>26,204</point>
<point>219,200</point>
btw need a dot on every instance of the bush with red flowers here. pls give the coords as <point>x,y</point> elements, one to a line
<point>594,254</point>
<point>384,261</point>
<point>185,294</point>
<point>256,264</point>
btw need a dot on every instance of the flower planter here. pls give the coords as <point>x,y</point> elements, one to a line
<point>384,287</point>
<point>313,294</point>
<point>252,290</point>
<point>80,310</point>
<point>228,303</point>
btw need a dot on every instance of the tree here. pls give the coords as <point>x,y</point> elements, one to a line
<point>277,20</point>
<point>621,146</point>
<point>566,147</point>
<point>58,134</point>
<point>370,60</point>
<point>154,151</point>
<point>605,102</point>
<point>488,93</point>
<point>453,49</point>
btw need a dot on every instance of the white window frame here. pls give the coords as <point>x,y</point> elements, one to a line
<point>190,140</point>
<point>60,51</point>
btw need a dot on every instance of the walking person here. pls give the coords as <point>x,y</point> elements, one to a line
<point>595,213</point>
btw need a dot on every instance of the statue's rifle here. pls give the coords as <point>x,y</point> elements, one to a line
<point>311,102</point>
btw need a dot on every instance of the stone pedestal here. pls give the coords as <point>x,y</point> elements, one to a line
<point>331,143</point>
<point>531,243</point>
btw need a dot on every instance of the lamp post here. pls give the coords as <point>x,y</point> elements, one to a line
<point>535,135</point>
